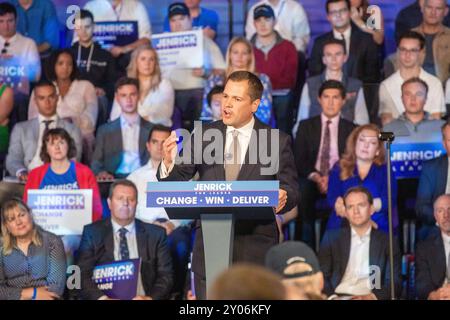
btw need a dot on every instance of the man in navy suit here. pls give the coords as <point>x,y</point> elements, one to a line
<point>433,256</point>
<point>355,259</point>
<point>433,182</point>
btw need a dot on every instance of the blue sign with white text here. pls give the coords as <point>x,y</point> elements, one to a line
<point>115,33</point>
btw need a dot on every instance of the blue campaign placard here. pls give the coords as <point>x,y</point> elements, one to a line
<point>115,33</point>
<point>407,158</point>
<point>213,194</point>
<point>118,280</point>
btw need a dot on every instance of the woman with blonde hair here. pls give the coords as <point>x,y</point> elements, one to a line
<point>32,260</point>
<point>362,164</point>
<point>156,94</point>
<point>240,57</point>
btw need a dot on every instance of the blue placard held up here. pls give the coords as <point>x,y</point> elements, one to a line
<point>213,194</point>
<point>115,33</point>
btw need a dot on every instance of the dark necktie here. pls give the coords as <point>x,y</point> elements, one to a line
<point>47,126</point>
<point>123,245</point>
<point>233,161</point>
<point>325,155</point>
<point>345,43</point>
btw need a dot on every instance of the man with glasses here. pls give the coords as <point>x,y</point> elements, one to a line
<point>363,60</point>
<point>410,47</point>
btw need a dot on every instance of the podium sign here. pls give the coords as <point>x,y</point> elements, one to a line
<point>63,212</point>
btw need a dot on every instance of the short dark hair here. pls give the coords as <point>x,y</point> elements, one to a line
<point>52,134</point>
<point>44,83</point>
<point>444,125</point>
<point>359,189</point>
<point>334,41</point>
<point>53,59</point>
<point>213,91</point>
<point>255,86</point>
<point>6,8</point>
<point>415,80</point>
<point>333,1</point>
<point>124,81</point>
<point>122,182</point>
<point>86,14</point>
<point>158,127</point>
<point>333,84</point>
<point>412,35</point>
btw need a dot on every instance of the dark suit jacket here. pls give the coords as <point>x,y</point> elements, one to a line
<point>109,146</point>
<point>307,143</point>
<point>97,247</point>
<point>432,184</point>
<point>363,61</point>
<point>252,237</point>
<point>334,255</point>
<point>430,265</point>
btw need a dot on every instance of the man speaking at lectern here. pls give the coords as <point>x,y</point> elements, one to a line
<point>239,133</point>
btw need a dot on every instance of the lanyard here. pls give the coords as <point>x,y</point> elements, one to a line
<point>91,51</point>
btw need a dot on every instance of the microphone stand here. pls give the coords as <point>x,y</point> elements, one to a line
<point>388,137</point>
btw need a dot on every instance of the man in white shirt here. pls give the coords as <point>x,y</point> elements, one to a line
<point>189,83</point>
<point>433,256</point>
<point>177,231</point>
<point>410,47</point>
<point>355,259</point>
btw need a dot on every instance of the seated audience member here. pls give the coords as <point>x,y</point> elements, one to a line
<point>447,97</point>
<point>189,83</point>
<point>26,139</point>
<point>177,231</point>
<point>37,19</point>
<point>214,100</point>
<point>363,60</point>
<point>94,63</point>
<point>433,182</point>
<point>433,256</point>
<point>7,104</point>
<point>410,47</point>
<point>355,258</point>
<point>319,144</point>
<point>60,171</point>
<point>156,94</point>
<point>122,10</point>
<point>120,144</point>
<point>32,260</point>
<point>410,17</point>
<point>360,15</point>
<point>202,18</point>
<point>362,164</point>
<point>298,265</point>
<point>77,100</point>
<point>124,237</point>
<point>240,57</point>
<point>245,281</point>
<point>436,60</point>
<point>354,109</point>
<point>278,59</point>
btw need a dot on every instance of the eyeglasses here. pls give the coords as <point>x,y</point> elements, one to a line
<point>5,47</point>
<point>404,50</point>
<point>338,12</point>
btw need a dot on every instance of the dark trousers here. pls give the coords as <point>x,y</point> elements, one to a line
<point>180,244</point>
<point>190,104</point>
<point>282,105</point>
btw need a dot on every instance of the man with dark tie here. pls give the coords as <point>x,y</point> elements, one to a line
<point>319,144</point>
<point>240,131</point>
<point>433,256</point>
<point>124,237</point>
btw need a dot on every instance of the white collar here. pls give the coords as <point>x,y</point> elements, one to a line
<point>362,238</point>
<point>347,33</point>
<point>335,119</point>
<point>446,238</point>
<point>131,227</point>
<point>42,118</point>
<point>11,40</point>
<point>245,130</point>
<point>124,121</point>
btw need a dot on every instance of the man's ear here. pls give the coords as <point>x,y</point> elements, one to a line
<point>255,105</point>
<point>108,200</point>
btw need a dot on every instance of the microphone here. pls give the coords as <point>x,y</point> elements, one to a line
<point>386,136</point>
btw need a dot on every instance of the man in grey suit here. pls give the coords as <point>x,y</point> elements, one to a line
<point>26,139</point>
<point>120,146</point>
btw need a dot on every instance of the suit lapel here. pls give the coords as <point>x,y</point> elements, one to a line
<point>444,171</point>
<point>219,168</point>
<point>316,135</point>
<point>246,171</point>
<point>374,249</point>
<point>143,136</point>
<point>109,241</point>
<point>141,240</point>
<point>354,45</point>
<point>341,136</point>
<point>439,256</point>
<point>345,241</point>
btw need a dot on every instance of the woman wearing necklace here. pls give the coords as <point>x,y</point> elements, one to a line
<point>77,101</point>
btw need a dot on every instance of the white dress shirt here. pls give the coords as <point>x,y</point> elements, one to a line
<point>291,22</point>
<point>446,240</point>
<point>356,277</point>
<point>132,248</point>
<point>347,36</point>
<point>130,141</point>
<point>36,161</point>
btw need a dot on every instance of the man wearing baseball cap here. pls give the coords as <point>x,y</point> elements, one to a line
<point>298,265</point>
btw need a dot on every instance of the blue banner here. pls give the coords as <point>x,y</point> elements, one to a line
<point>407,158</point>
<point>118,280</point>
<point>115,33</point>
<point>213,194</point>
